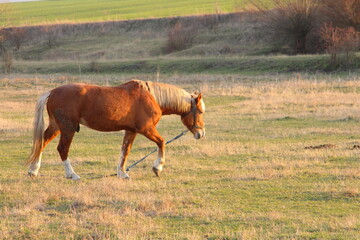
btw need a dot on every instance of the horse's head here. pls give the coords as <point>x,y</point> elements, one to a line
<point>193,120</point>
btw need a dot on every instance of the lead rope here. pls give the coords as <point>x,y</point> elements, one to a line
<point>142,159</point>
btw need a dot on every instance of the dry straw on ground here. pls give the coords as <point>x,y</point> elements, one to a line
<point>251,178</point>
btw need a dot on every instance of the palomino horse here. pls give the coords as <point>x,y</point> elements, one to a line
<point>135,107</point>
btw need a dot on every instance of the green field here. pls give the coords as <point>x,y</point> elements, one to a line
<point>252,177</point>
<point>74,11</point>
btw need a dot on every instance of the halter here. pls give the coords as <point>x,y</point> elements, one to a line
<point>193,110</point>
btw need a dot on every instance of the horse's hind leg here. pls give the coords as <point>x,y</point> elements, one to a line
<point>63,149</point>
<point>50,133</point>
<point>125,149</point>
<point>153,135</point>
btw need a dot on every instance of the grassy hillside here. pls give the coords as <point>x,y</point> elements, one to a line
<point>264,177</point>
<point>227,44</point>
<point>227,34</point>
<point>30,13</point>
<point>218,43</point>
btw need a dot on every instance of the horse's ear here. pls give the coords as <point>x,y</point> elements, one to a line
<point>198,98</point>
<point>195,94</point>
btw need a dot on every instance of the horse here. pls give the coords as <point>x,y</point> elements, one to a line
<point>135,106</point>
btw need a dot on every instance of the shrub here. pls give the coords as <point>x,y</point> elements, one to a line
<point>17,36</point>
<point>94,67</point>
<point>340,41</point>
<point>341,31</point>
<point>52,33</point>
<point>5,52</point>
<point>179,37</point>
<point>290,22</point>
<point>7,61</point>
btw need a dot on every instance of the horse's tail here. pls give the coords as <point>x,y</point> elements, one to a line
<point>39,126</point>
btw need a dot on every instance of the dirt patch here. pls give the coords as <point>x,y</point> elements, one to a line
<point>322,146</point>
<point>355,147</point>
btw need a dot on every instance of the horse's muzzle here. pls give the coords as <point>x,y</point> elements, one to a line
<point>199,133</point>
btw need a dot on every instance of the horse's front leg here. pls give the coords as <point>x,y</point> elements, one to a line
<point>125,149</point>
<point>154,136</point>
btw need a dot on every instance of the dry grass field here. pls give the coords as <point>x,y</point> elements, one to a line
<point>280,161</point>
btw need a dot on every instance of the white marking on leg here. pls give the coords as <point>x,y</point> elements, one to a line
<point>35,166</point>
<point>121,173</point>
<point>158,164</point>
<point>69,171</point>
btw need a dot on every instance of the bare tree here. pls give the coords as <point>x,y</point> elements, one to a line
<point>342,13</point>
<point>17,36</point>
<point>52,33</point>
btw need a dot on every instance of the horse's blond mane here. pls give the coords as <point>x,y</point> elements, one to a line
<point>169,96</point>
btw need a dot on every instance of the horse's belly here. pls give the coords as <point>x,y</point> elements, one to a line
<point>105,125</point>
<point>84,122</point>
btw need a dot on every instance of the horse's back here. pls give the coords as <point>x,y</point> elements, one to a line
<point>127,106</point>
<point>70,97</point>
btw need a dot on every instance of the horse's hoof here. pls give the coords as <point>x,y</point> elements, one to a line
<point>156,171</point>
<point>123,175</point>
<point>32,175</point>
<point>73,177</point>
